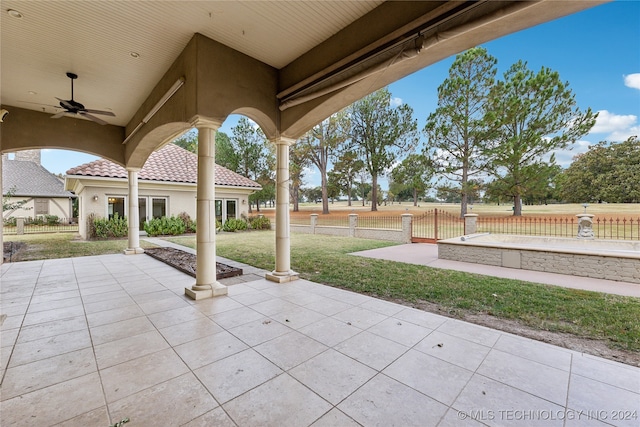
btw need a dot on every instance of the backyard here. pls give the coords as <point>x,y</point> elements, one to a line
<point>601,324</point>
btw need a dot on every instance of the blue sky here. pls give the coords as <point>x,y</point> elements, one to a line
<point>597,51</point>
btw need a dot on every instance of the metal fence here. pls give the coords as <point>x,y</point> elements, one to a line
<point>603,228</point>
<point>40,225</point>
<point>386,222</point>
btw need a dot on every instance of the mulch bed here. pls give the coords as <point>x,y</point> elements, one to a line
<point>186,262</point>
<point>11,251</point>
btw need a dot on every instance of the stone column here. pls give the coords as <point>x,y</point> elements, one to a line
<point>1,230</point>
<point>314,223</point>
<point>585,226</point>
<point>470,223</point>
<point>133,219</point>
<point>407,224</point>
<point>283,272</point>
<point>206,284</point>
<point>353,224</point>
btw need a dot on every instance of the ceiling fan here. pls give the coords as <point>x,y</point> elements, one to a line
<point>72,106</point>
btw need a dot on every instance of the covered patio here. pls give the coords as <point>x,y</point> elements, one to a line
<point>92,341</point>
<point>146,72</point>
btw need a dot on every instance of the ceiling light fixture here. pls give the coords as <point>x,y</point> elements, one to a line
<point>32,92</point>
<point>134,54</point>
<point>15,14</point>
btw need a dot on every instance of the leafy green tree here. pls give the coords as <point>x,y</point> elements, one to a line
<point>381,133</point>
<point>8,205</point>
<point>321,145</point>
<point>416,172</point>
<point>449,194</point>
<point>530,115</point>
<point>256,156</point>
<point>608,172</point>
<point>225,154</point>
<point>346,169</point>
<point>188,141</point>
<point>456,130</point>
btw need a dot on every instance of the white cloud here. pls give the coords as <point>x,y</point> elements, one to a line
<point>396,102</point>
<point>614,124</point>
<point>632,81</point>
<point>564,158</point>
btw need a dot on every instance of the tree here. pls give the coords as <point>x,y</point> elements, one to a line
<point>8,205</point>
<point>415,171</point>
<point>530,115</point>
<point>381,133</point>
<point>346,169</point>
<point>321,145</point>
<point>225,154</point>
<point>297,164</point>
<point>456,130</point>
<point>608,172</point>
<point>255,155</point>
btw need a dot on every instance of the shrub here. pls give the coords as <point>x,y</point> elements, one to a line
<point>10,221</point>
<point>52,219</point>
<point>189,224</point>
<point>164,226</point>
<point>233,224</point>
<point>259,223</point>
<point>103,228</point>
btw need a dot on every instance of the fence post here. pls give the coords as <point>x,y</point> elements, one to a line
<point>407,222</point>
<point>353,224</point>
<point>470,223</point>
<point>20,225</point>
<point>314,222</point>
<point>435,224</point>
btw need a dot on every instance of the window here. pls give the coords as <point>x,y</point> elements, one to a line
<point>226,208</point>
<point>115,206</point>
<point>158,207</point>
<point>42,206</point>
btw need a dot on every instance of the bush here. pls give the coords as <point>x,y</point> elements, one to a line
<point>103,228</point>
<point>233,224</point>
<point>10,221</point>
<point>165,226</point>
<point>259,223</point>
<point>52,219</point>
<point>189,224</point>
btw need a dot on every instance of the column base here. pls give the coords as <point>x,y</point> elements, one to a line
<point>198,292</point>
<point>133,251</point>
<point>282,277</point>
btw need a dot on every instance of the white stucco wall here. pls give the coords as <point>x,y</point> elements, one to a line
<point>181,197</point>
<point>59,206</point>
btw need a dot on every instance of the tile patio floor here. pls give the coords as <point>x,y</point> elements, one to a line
<point>90,341</point>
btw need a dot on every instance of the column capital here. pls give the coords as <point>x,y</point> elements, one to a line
<point>133,169</point>
<point>281,140</point>
<point>205,122</point>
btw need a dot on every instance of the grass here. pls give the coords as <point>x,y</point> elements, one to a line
<point>323,259</point>
<point>65,245</point>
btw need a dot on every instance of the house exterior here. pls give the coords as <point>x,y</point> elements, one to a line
<point>27,180</point>
<point>166,187</point>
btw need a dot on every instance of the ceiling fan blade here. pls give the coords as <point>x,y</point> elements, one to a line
<point>104,113</point>
<point>65,104</point>
<point>58,115</point>
<point>92,118</point>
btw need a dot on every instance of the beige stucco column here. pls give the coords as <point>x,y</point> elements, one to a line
<point>283,272</point>
<point>133,219</point>
<point>1,229</point>
<point>206,284</point>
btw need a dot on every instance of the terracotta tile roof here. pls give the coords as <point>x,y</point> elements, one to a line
<point>171,164</point>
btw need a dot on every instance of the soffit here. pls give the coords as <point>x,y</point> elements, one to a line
<point>94,39</point>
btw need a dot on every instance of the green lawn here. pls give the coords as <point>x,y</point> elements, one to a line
<point>65,245</point>
<point>324,259</point>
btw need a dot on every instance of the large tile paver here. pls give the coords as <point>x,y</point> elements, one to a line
<point>118,339</point>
